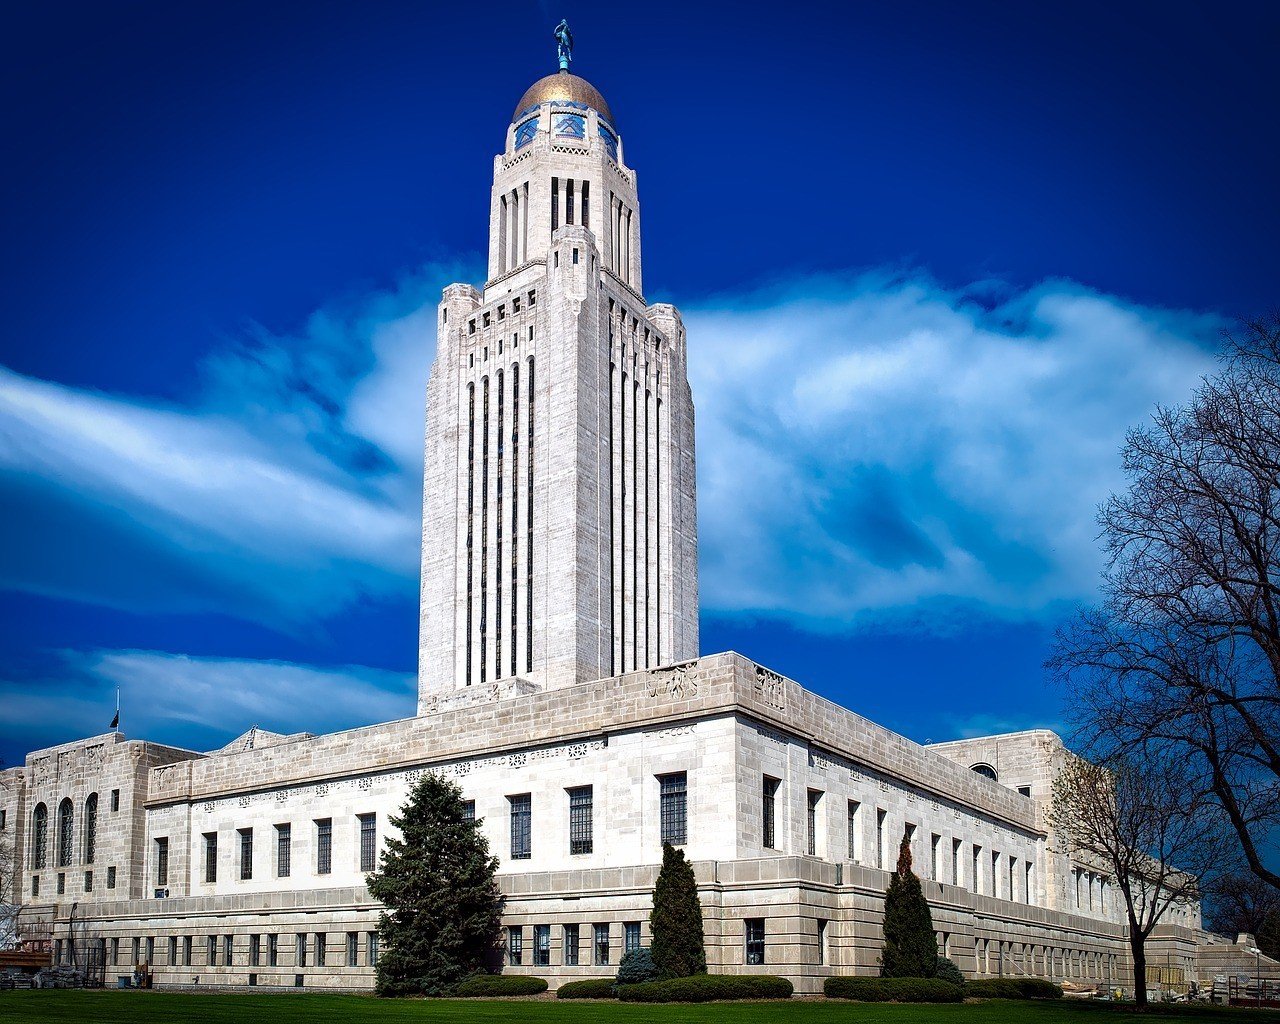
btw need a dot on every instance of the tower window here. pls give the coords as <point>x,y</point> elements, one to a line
<point>586,186</point>
<point>769,812</point>
<point>568,201</point>
<point>555,203</point>
<point>673,808</point>
<point>485,318</point>
<point>575,257</point>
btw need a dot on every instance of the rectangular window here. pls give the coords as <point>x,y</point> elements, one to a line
<point>1013,877</point>
<point>88,881</point>
<point>855,831</point>
<point>541,945</point>
<point>151,949</point>
<point>1026,890</point>
<point>186,950</point>
<point>822,941</point>
<point>934,845</point>
<point>210,857</point>
<point>769,812</point>
<point>137,950</point>
<point>368,842</point>
<point>673,808</point>
<point>631,936</point>
<point>4,818</point>
<point>162,861</point>
<point>353,949</point>
<point>975,880</point>
<point>995,873</point>
<point>173,950</point>
<point>955,862</point>
<point>115,952</point>
<point>300,950</point>
<point>601,944</point>
<point>515,944</point>
<point>521,826</point>
<point>228,950</point>
<point>755,940</point>
<point>324,846</point>
<point>111,878</point>
<point>469,810</point>
<point>35,885</point>
<point>115,799</point>
<point>322,940</point>
<point>284,850</point>
<point>572,939</point>
<point>211,951</point>
<point>273,950</point>
<point>815,801</point>
<point>580,813</point>
<point>371,948</point>
<point>555,203</point>
<point>255,949</point>
<point>246,853</point>
<point>62,883</point>
<point>880,816</point>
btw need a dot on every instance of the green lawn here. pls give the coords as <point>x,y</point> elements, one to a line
<point>110,1007</point>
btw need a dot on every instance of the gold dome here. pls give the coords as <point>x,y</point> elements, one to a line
<point>563,86</point>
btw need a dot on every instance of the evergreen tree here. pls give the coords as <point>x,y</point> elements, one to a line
<point>910,949</point>
<point>676,919</point>
<point>443,909</point>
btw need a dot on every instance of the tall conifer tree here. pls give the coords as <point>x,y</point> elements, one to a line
<point>676,920</point>
<point>910,949</point>
<point>443,915</point>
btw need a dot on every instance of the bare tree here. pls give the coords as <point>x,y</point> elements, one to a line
<point>1184,648</point>
<point>1239,901</point>
<point>8,892</point>
<point>1133,819</point>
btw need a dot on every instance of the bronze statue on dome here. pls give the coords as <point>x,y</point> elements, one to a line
<point>564,40</point>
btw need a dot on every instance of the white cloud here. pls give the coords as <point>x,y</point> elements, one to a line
<point>883,448</point>
<point>870,449</point>
<point>201,702</point>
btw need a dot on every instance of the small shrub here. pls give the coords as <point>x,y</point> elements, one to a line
<point>893,990</point>
<point>1013,988</point>
<point>500,985</point>
<point>636,967</point>
<point>590,988</point>
<point>703,988</point>
<point>948,971</point>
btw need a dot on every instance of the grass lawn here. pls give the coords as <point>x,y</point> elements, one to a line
<point>109,1007</point>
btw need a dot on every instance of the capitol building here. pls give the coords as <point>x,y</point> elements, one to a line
<point>561,686</point>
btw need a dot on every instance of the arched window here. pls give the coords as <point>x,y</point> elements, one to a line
<point>66,822</point>
<point>90,827</point>
<point>985,770</point>
<point>40,836</point>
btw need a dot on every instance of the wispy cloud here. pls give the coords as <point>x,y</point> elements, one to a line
<point>884,449</point>
<point>873,448</point>
<point>285,489</point>
<point>198,702</point>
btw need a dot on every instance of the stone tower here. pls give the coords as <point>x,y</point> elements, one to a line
<point>559,539</point>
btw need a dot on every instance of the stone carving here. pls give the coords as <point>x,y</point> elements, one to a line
<point>772,735</point>
<point>771,689</point>
<point>676,730</point>
<point>244,801</point>
<point>93,756</point>
<point>41,765</point>
<point>365,784</point>
<point>322,789</point>
<point>517,760</point>
<point>679,682</point>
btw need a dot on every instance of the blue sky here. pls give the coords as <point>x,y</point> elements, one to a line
<point>934,259</point>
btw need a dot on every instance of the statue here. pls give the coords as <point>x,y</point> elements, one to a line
<point>564,39</point>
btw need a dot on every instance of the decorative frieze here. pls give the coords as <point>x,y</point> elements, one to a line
<point>771,689</point>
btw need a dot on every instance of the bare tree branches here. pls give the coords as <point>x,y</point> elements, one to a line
<point>1184,649</point>
<point>1134,818</point>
